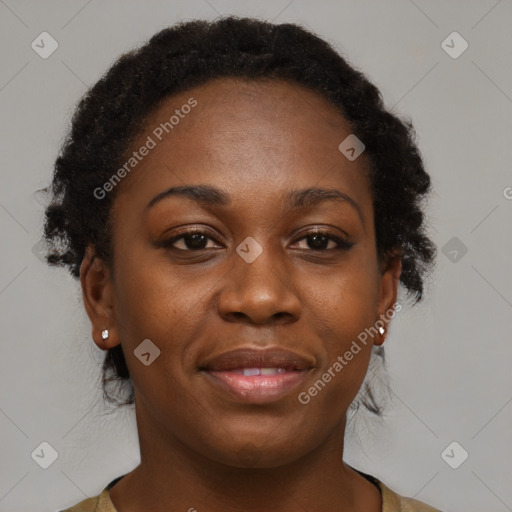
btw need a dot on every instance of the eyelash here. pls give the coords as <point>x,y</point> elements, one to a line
<point>342,245</point>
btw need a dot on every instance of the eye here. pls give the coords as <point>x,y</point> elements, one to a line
<point>192,240</point>
<point>324,241</point>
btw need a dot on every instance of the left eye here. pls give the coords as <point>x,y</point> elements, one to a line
<point>320,241</point>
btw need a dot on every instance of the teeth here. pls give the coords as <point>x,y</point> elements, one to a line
<point>271,371</point>
<point>250,372</point>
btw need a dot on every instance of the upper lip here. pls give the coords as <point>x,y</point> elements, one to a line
<point>257,358</point>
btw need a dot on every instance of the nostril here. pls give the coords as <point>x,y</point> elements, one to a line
<point>282,318</point>
<point>238,315</point>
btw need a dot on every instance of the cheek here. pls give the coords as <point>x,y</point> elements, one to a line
<point>342,309</point>
<point>151,297</point>
<point>167,306</point>
<point>344,355</point>
<point>345,300</point>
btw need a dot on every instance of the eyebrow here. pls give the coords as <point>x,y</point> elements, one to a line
<point>212,196</point>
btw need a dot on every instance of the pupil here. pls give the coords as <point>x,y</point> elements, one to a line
<point>195,241</point>
<point>319,241</point>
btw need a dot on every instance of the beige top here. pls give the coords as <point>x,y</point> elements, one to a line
<point>391,502</point>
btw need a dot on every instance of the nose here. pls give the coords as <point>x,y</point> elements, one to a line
<point>261,292</point>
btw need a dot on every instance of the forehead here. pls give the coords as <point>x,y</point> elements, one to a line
<point>252,133</point>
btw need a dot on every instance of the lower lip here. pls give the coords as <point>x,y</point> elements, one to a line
<point>257,389</point>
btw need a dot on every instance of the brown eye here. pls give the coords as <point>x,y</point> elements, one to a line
<point>318,241</point>
<point>324,241</point>
<point>190,241</point>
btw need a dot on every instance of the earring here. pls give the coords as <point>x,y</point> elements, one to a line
<point>104,334</point>
<point>382,330</point>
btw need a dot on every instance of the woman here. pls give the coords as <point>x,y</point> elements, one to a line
<point>240,210</point>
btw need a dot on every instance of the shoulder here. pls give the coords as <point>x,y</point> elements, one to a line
<point>100,503</point>
<point>392,502</point>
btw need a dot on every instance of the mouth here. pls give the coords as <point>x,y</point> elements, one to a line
<point>257,376</point>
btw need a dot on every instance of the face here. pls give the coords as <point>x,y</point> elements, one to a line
<point>248,260</point>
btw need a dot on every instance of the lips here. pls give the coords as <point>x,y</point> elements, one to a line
<point>256,376</point>
<point>252,358</point>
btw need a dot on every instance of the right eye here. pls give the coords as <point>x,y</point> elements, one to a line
<point>192,240</point>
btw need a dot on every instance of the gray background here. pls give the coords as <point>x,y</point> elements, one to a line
<point>449,357</point>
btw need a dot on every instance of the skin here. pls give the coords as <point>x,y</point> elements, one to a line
<point>257,141</point>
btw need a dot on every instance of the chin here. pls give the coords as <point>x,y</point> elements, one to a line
<point>253,455</point>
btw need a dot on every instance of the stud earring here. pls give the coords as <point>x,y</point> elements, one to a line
<point>382,330</point>
<point>104,334</point>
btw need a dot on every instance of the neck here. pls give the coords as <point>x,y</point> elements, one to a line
<point>172,476</point>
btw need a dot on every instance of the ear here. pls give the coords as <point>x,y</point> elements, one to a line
<point>388,291</point>
<point>97,293</point>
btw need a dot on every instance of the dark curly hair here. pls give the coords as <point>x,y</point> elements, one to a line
<point>112,113</point>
